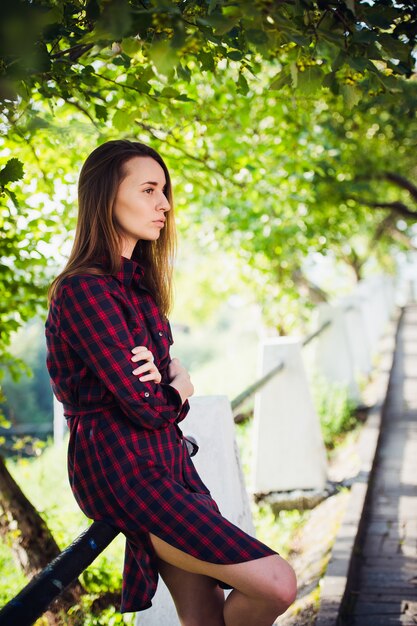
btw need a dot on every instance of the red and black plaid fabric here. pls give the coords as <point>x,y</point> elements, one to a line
<point>127,461</point>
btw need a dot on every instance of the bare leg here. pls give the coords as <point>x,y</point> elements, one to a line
<point>263,588</point>
<point>197,598</point>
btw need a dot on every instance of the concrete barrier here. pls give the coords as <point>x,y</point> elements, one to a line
<point>60,423</point>
<point>334,354</point>
<point>210,422</point>
<point>360,349</point>
<point>289,450</point>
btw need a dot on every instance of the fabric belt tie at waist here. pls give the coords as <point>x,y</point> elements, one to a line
<point>71,409</point>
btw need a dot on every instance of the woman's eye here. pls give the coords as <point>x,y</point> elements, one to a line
<point>150,189</point>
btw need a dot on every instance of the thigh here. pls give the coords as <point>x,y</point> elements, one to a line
<point>197,598</point>
<point>258,578</point>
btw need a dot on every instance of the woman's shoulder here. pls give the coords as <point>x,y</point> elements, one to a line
<point>86,282</point>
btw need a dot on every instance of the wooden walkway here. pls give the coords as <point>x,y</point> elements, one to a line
<point>383,591</point>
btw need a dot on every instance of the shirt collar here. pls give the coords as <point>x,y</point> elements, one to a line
<point>128,270</point>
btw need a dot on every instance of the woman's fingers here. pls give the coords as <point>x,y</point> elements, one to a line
<point>155,376</point>
<point>141,353</point>
<point>153,373</point>
<point>146,367</point>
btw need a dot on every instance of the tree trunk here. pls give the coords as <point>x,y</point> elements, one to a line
<point>33,545</point>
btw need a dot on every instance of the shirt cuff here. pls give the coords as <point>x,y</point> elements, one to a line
<point>174,397</point>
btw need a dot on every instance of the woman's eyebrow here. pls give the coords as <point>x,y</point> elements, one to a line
<point>152,182</point>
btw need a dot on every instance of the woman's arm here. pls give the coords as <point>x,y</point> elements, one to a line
<point>93,323</point>
<point>180,379</point>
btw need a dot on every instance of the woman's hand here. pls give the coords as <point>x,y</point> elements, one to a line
<point>180,379</point>
<point>141,353</point>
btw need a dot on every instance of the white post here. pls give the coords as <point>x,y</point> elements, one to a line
<point>59,422</point>
<point>381,313</point>
<point>210,422</point>
<point>334,358</point>
<point>357,335</point>
<point>367,303</point>
<point>289,450</point>
<point>390,292</point>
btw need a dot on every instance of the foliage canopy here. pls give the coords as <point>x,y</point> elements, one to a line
<point>280,120</point>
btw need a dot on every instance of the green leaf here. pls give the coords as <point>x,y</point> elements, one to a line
<point>298,38</point>
<point>169,92</point>
<point>294,73</point>
<point>310,80</point>
<point>376,16</point>
<point>220,25</point>
<point>330,81</point>
<point>351,95</point>
<point>211,6</point>
<point>256,36</point>
<point>123,119</point>
<point>391,82</point>
<point>350,5</point>
<point>235,55</point>
<point>115,18</point>
<point>281,79</point>
<point>364,35</point>
<point>11,172</point>
<point>359,63</point>
<point>243,86</point>
<point>12,196</point>
<point>340,60</point>
<point>131,45</point>
<point>92,10</point>
<point>394,47</point>
<point>163,56</point>
<point>101,112</point>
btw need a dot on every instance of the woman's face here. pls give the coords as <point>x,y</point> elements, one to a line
<point>140,203</point>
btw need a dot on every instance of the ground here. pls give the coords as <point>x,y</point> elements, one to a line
<point>311,547</point>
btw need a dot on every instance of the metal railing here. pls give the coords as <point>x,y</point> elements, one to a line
<point>34,599</point>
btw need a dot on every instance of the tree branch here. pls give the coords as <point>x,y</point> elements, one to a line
<point>82,109</point>
<point>401,237</point>
<point>74,53</point>
<point>398,207</point>
<point>401,181</point>
<point>383,227</point>
<point>189,155</point>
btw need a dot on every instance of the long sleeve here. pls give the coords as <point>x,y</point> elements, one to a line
<point>93,323</point>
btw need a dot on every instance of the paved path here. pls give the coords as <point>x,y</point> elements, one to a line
<point>384,591</point>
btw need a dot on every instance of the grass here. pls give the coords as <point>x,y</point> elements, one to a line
<point>44,481</point>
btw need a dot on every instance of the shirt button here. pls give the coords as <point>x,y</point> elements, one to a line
<point>160,333</point>
<point>146,394</point>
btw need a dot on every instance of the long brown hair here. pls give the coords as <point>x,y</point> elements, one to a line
<point>97,235</point>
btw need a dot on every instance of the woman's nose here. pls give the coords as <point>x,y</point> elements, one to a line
<point>163,203</point>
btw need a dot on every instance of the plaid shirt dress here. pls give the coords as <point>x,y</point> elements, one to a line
<point>127,459</point>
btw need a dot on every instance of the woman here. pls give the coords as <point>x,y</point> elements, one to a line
<point>108,340</point>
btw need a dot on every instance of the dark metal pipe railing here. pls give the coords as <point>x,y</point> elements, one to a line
<point>316,333</point>
<point>34,599</point>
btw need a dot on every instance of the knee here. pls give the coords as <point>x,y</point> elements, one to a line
<point>288,591</point>
<point>283,589</point>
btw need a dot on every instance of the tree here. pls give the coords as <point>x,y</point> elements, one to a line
<point>262,107</point>
<point>55,47</point>
<point>90,69</point>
